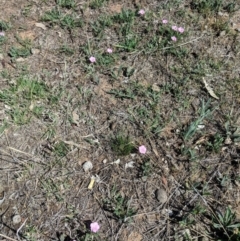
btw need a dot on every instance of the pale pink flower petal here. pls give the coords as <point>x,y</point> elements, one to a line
<point>175,28</point>
<point>2,34</point>
<point>141,12</point>
<point>174,38</point>
<point>142,149</point>
<point>92,59</point>
<point>164,21</point>
<point>109,50</point>
<point>180,29</point>
<point>94,227</point>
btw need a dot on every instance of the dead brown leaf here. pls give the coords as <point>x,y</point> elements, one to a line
<point>134,236</point>
<point>27,35</point>
<point>116,8</point>
<point>209,89</point>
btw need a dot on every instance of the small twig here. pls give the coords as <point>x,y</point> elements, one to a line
<point>21,228</point>
<point>16,150</point>
<point>190,41</point>
<point>104,214</point>
<point>4,236</point>
<point>116,238</point>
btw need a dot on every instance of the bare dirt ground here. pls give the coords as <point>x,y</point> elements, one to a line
<point>153,94</point>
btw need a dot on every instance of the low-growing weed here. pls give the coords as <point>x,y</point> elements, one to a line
<point>122,145</point>
<point>97,3</point>
<point>65,49</point>
<point>52,16</point>
<point>61,149</point>
<point>215,143</point>
<point>68,21</point>
<point>194,126</point>
<point>4,26</point>
<point>207,7</point>
<point>129,44</point>
<point>145,169</point>
<point>226,225</point>
<point>21,99</point>
<point>125,16</point>
<point>102,22</point>
<point>16,52</point>
<point>66,3</point>
<point>119,206</point>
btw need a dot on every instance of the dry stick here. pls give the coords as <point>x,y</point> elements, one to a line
<point>116,238</point>
<point>16,150</point>
<point>4,236</point>
<point>190,41</point>
<point>104,214</point>
<point>21,228</point>
<point>211,211</point>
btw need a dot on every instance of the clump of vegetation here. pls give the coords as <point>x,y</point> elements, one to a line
<point>122,145</point>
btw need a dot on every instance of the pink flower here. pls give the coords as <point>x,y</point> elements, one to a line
<point>173,38</point>
<point>2,34</point>
<point>164,21</point>
<point>180,29</point>
<point>94,227</point>
<point>142,149</point>
<point>141,12</point>
<point>92,59</point>
<point>175,28</point>
<point>109,50</point>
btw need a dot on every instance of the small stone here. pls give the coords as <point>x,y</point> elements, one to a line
<point>104,161</point>
<point>144,178</point>
<point>161,195</point>
<point>2,197</point>
<point>228,141</point>
<point>87,166</point>
<point>223,33</point>
<point>35,51</point>
<point>20,59</point>
<point>16,219</point>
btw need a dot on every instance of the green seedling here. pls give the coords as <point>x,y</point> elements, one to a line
<point>123,94</point>
<point>198,209</point>
<point>204,113</point>
<point>126,16</point>
<point>52,16</point>
<point>20,96</point>
<point>102,23</point>
<point>105,59</point>
<point>20,116</point>
<point>61,149</point>
<point>30,233</point>
<point>97,3</point>
<point>215,143</point>
<point>206,6</point>
<point>52,189</point>
<point>226,225</point>
<point>65,49</point>
<point>4,26</point>
<point>129,44</point>
<point>16,52</point>
<point>146,169</point>
<point>70,21</point>
<point>66,3</point>
<point>122,145</point>
<point>119,206</point>
<point>26,10</point>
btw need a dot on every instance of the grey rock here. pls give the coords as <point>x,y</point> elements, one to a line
<point>161,195</point>
<point>16,219</point>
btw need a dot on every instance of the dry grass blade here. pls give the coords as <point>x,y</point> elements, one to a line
<point>209,89</point>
